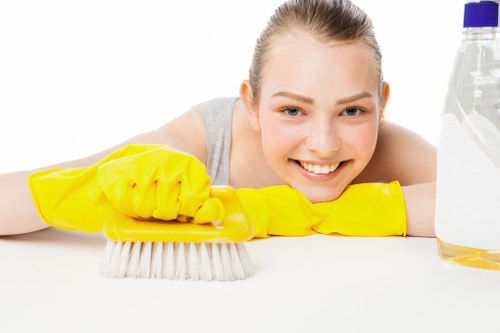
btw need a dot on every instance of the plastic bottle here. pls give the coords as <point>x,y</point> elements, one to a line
<point>468,171</point>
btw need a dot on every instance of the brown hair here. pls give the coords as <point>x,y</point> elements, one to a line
<point>328,20</point>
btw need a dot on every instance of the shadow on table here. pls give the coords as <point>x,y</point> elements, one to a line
<point>58,237</point>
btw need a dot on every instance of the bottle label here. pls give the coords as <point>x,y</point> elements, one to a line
<point>467,190</point>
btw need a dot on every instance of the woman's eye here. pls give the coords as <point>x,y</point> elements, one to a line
<point>292,112</point>
<point>353,111</point>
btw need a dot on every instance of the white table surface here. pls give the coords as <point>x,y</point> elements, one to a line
<point>50,282</point>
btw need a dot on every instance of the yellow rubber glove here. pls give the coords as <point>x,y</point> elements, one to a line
<point>137,181</point>
<point>371,209</point>
<point>279,210</point>
<point>160,183</point>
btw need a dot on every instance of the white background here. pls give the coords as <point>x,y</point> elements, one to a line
<point>77,77</point>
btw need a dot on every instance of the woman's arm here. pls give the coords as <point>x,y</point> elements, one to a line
<point>420,202</point>
<point>17,211</point>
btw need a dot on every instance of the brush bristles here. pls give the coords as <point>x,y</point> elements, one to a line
<point>176,261</point>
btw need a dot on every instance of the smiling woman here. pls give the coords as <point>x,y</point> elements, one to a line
<point>309,117</point>
<point>324,81</point>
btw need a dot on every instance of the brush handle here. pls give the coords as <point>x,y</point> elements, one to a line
<point>236,226</point>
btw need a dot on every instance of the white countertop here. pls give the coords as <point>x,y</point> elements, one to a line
<point>50,282</point>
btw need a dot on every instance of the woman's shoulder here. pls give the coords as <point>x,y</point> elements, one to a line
<point>402,155</point>
<point>216,105</point>
<point>186,133</point>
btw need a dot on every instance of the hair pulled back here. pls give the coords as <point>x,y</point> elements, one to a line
<point>328,20</point>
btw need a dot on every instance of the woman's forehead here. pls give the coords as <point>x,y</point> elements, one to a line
<point>303,47</point>
<point>302,61</point>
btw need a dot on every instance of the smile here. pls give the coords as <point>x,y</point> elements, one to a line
<point>319,169</point>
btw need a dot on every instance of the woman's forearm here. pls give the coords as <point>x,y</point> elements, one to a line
<point>420,206</point>
<point>17,212</point>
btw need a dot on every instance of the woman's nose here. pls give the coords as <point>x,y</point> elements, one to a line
<point>324,138</point>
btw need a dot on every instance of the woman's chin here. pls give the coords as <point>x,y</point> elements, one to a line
<point>321,195</point>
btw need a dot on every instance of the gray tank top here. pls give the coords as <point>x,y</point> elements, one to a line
<point>217,115</point>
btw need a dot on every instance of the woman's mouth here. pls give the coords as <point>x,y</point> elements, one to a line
<point>323,169</point>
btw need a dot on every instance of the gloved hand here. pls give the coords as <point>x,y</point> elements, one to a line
<point>279,210</point>
<point>368,209</point>
<point>371,209</point>
<point>135,182</point>
<point>160,183</point>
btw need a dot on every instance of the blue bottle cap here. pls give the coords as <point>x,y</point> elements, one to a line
<point>481,14</point>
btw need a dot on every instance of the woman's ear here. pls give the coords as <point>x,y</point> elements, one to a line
<point>251,106</point>
<point>384,97</point>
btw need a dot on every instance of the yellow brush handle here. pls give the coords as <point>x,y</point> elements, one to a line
<point>235,227</point>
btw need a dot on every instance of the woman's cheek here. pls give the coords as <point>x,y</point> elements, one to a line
<point>279,138</point>
<point>366,133</point>
<point>368,140</point>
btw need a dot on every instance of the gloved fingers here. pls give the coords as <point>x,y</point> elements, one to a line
<point>160,183</point>
<point>166,199</point>
<point>117,187</point>
<point>194,189</point>
<point>130,183</point>
<point>142,199</point>
<point>211,211</point>
<point>184,219</point>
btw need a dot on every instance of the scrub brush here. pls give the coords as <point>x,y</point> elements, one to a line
<point>177,250</point>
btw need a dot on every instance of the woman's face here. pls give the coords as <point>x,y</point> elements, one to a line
<point>318,113</point>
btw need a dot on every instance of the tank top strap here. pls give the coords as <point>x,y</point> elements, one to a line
<point>217,116</point>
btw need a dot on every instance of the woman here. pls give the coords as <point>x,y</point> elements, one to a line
<point>310,116</point>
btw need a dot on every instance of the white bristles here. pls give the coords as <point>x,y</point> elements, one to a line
<point>217,262</point>
<point>145,260</point>
<point>238,270</point>
<point>156,261</point>
<point>194,262</point>
<point>169,268</point>
<point>133,264</point>
<point>122,254</point>
<point>180,261</point>
<point>226,262</point>
<point>176,261</point>
<point>206,263</point>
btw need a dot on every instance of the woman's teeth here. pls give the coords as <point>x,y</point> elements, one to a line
<point>319,169</point>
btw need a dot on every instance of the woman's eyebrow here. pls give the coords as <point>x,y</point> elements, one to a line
<point>301,98</point>
<point>353,98</point>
